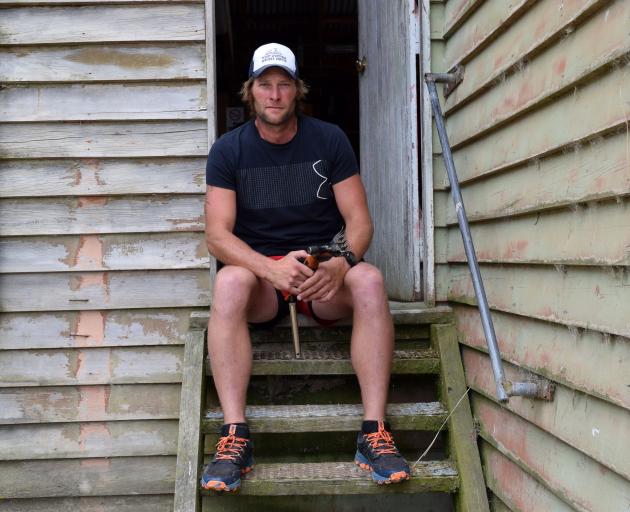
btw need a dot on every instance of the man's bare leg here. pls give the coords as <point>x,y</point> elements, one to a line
<point>364,295</point>
<point>239,297</point>
<point>372,351</point>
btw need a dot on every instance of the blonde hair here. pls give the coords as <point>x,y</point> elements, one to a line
<point>248,98</point>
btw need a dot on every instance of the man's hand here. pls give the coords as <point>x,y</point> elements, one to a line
<point>326,281</point>
<point>288,273</point>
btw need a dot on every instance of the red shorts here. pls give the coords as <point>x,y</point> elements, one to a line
<point>305,308</point>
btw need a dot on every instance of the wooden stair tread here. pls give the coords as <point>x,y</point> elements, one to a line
<point>330,417</point>
<point>403,313</point>
<point>277,479</point>
<point>332,359</point>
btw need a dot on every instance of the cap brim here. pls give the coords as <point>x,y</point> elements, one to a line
<point>260,71</point>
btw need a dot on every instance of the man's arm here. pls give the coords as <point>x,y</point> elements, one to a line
<point>352,203</point>
<point>220,209</point>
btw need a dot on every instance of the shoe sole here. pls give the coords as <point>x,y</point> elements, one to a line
<point>220,486</point>
<point>394,478</point>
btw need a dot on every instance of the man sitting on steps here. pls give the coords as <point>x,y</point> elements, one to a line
<point>277,184</point>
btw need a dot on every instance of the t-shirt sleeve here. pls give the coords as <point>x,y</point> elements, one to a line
<point>220,167</point>
<point>344,160</point>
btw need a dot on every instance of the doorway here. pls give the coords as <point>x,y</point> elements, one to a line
<point>324,38</point>
<point>380,105</point>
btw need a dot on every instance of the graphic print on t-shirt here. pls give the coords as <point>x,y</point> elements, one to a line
<point>319,189</point>
<point>281,186</point>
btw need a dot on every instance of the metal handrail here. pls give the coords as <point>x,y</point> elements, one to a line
<point>505,388</point>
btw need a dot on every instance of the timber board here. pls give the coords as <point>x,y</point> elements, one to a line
<point>100,215</point>
<point>100,177</point>
<point>588,424</point>
<point>88,440</point>
<point>101,23</point>
<point>581,56</point>
<point>75,329</point>
<point>329,418</point>
<point>107,252</point>
<point>133,289</point>
<point>333,359</point>
<point>571,357</point>
<point>68,404</point>
<point>88,477</point>
<point>593,234</point>
<point>23,3</point>
<point>403,313</point>
<point>485,24</point>
<point>515,487</point>
<point>544,20</point>
<point>457,12</point>
<point>576,478</point>
<point>280,479</point>
<point>105,139</point>
<point>436,21</point>
<point>462,437</point>
<point>103,62</point>
<point>103,102</point>
<point>593,171</point>
<point>389,135</point>
<point>71,367</point>
<point>594,298</point>
<point>190,438</point>
<point>568,120</point>
<point>146,503</point>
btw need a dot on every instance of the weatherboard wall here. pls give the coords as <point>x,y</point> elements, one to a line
<point>103,138</point>
<point>539,131</point>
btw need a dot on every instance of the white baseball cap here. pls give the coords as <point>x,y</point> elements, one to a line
<point>270,55</point>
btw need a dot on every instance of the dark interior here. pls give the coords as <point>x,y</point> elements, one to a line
<point>323,35</point>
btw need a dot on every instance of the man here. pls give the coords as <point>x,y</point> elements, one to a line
<point>277,184</point>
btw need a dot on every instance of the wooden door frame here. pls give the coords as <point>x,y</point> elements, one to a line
<point>426,164</point>
<point>211,93</point>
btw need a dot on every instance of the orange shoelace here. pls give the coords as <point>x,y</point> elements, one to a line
<point>230,447</point>
<point>382,442</point>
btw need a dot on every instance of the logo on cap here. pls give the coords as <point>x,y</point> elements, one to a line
<point>270,55</point>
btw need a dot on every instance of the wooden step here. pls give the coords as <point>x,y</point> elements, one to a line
<point>329,418</point>
<point>403,313</point>
<point>333,359</point>
<point>282,479</point>
<point>283,334</point>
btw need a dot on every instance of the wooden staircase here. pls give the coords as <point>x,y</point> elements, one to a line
<point>297,462</point>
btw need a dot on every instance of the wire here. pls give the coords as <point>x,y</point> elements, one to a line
<point>440,429</point>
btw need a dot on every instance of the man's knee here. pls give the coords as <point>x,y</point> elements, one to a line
<point>365,279</point>
<point>234,283</point>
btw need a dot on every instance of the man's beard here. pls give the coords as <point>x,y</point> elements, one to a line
<point>262,116</point>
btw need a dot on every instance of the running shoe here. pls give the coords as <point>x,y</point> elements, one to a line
<point>377,453</point>
<point>233,458</point>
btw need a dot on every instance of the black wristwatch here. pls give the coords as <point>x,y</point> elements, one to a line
<point>350,258</point>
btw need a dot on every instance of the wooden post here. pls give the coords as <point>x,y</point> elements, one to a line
<point>426,152</point>
<point>472,495</point>
<point>190,445</point>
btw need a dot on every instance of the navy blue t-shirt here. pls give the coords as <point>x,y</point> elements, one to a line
<point>284,194</point>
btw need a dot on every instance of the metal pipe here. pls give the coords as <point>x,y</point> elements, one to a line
<point>447,78</point>
<point>473,265</point>
<point>540,389</point>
